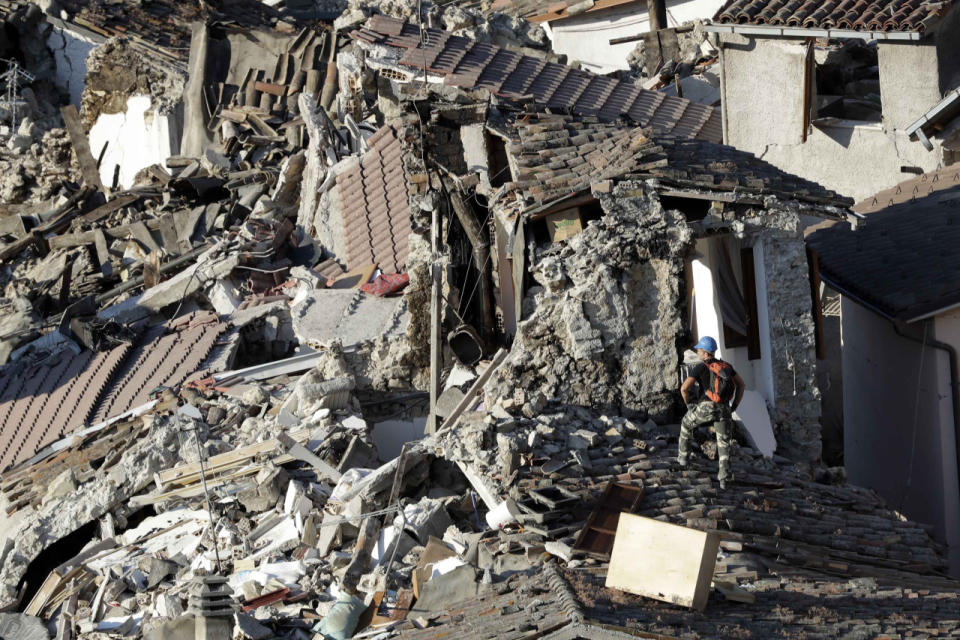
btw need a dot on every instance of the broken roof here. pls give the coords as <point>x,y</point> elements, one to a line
<point>857,15</point>
<point>42,403</point>
<point>470,65</point>
<point>558,156</point>
<point>902,262</point>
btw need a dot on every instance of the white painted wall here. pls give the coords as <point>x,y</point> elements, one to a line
<point>896,428</point>
<point>70,51</point>
<point>136,139</point>
<point>757,374</point>
<point>947,329</point>
<point>586,37</point>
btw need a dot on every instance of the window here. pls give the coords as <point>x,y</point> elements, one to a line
<point>845,83</point>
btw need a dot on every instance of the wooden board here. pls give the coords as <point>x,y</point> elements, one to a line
<point>663,561</point>
<point>596,537</point>
<point>354,279</point>
<point>81,146</point>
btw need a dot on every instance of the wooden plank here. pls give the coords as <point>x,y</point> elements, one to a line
<point>189,473</point>
<point>114,205</point>
<point>103,253</point>
<point>143,236</point>
<point>43,594</point>
<point>81,146</point>
<point>67,240</point>
<point>168,233</point>
<point>596,537</point>
<point>663,561</point>
<point>470,397</point>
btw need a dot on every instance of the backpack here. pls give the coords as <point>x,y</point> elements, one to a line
<point>721,387</point>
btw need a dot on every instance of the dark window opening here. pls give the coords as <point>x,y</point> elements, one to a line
<point>499,165</point>
<point>846,80</point>
<point>693,209</point>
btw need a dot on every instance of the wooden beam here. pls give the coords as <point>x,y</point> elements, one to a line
<point>81,146</point>
<point>470,397</point>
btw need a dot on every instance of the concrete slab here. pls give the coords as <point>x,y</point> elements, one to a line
<point>350,316</point>
<point>443,592</point>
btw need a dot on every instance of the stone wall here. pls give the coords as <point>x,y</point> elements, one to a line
<point>796,410</point>
<point>602,328</point>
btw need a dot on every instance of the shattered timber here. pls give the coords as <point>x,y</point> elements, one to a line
<point>350,319</point>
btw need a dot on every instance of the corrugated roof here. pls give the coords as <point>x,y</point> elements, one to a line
<point>858,15</point>
<point>41,403</point>
<point>557,156</point>
<point>470,65</point>
<point>903,261</point>
<point>375,203</point>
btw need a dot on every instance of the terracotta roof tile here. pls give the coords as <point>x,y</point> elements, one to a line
<point>858,15</point>
<point>470,65</point>
<point>375,205</point>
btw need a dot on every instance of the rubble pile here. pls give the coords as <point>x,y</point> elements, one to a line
<point>390,348</point>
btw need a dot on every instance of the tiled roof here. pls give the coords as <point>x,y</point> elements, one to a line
<point>161,360</point>
<point>858,15</point>
<point>913,189</point>
<point>903,260</point>
<point>40,404</point>
<point>557,156</point>
<point>376,206</point>
<point>470,65</point>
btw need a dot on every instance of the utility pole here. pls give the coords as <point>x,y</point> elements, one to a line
<point>658,14</point>
<point>13,76</point>
<point>435,295</point>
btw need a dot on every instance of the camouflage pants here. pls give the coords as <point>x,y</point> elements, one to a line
<point>706,413</point>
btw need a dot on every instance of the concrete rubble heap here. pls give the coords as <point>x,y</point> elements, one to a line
<point>388,346</point>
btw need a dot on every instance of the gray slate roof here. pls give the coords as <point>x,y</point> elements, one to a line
<point>904,261</point>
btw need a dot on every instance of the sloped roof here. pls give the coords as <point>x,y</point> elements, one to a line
<point>858,15</point>
<point>469,64</point>
<point>41,403</point>
<point>903,262</point>
<point>375,203</point>
<point>549,10</point>
<point>556,156</point>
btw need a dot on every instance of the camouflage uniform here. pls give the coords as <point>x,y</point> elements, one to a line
<point>704,413</point>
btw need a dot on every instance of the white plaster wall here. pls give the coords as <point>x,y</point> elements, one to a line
<point>135,139</point>
<point>70,51</point>
<point>757,374</point>
<point>586,37</point>
<point>889,418</point>
<point>909,81</point>
<point>947,329</point>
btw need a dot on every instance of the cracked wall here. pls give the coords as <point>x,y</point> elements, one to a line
<point>70,51</point>
<point>764,82</point>
<point>135,139</point>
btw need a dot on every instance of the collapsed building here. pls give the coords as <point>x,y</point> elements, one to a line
<point>389,347</point>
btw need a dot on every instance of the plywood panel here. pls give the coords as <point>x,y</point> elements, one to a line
<point>663,561</point>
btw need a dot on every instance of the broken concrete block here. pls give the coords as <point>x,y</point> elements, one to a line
<point>559,549</point>
<point>448,401</point>
<point>22,627</point>
<point>63,485</point>
<point>663,561</point>
<point>583,439</point>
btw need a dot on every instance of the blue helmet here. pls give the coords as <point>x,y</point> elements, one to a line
<point>707,344</point>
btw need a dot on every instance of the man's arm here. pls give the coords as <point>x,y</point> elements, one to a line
<point>686,389</point>
<point>741,386</point>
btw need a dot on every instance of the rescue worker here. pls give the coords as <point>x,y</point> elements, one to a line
<point>721,385</point>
